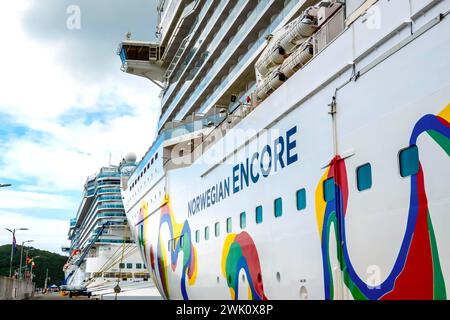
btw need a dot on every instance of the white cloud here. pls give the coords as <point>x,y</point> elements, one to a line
<point>25,199</point>
<point>63,158</point>
<point>38,89</point>
<point>48,234</point>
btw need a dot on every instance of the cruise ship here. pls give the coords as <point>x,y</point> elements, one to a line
<point>102,250</point>
<point>302,150</point>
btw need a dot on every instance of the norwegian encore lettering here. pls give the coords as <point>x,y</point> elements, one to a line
<point>255,177</point>
<point>260,165</point>
<point>210,197</point>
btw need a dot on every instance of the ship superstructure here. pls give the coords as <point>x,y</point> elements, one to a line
<point>297,150</point>
<point>102,248</point>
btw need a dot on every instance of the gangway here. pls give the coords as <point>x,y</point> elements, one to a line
<point>76,265</point>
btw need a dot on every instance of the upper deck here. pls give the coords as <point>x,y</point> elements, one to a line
<point>213,67</point>
<point>206,50</point>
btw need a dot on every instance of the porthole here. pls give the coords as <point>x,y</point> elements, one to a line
<point>328,190</point>
<point>258,214</point>
<point>409,161</point>
<point>301,199</point>
<point>364,177</point>
<point>278,207</point>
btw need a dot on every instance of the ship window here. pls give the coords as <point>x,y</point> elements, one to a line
<point>328,190</point>
<point>129,265</point>
<point>138,265</point>
<point>278,207</point>
<point>259,214</point>
<point>151,161</point>
<point>206,233</point>
<point>121,265</point>
<point>229,226</point>
<point>301,199</point>
<point>364,177</point>
<point>148,166</point>
<point>156,156</point>
<point>197,236</point>
<point>409,161</point>
<point>242,220</point>
<point>144,266</point>
<point>217,229</point>
<point>145,169</point>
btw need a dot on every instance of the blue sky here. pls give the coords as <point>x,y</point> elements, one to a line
<point>65,106</point>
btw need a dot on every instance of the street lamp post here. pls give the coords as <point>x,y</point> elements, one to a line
<point>45,283</point>
<point>21,252</point>
<point>13,231</point>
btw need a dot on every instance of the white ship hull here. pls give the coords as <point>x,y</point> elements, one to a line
<point>390,241</point>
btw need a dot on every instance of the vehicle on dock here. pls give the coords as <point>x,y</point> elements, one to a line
<point>73,291</point>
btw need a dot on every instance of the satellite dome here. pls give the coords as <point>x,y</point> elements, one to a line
<point>130,157</point>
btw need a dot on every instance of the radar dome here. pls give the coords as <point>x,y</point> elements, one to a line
<point>130,157</point>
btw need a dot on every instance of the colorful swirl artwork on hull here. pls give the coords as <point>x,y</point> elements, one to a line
<point>182,242</point>
<point>239,253</point>
<point>416,273</point>
<point>142,242</point>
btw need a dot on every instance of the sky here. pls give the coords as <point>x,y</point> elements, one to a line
<point>65,107</point>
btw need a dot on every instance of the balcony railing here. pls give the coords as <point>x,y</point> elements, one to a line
<point>109,198</point>
<point>245,59</point>
<point>111,214</point>
<point>113,223</point>
<point>225,56</point>
<point>191,126</point>
<point>114,241</point>
<point>103,183</point>
<point>177,130</point>
<point>212,21</point>
<point>110,206</point>
<point>186,44</point>
<point>109,190</point>
<point>108,174</point>
<point>167,15</point>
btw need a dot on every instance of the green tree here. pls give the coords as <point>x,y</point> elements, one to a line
<point>47,260</point>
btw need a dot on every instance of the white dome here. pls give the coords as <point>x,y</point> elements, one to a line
<point>130,157</point>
